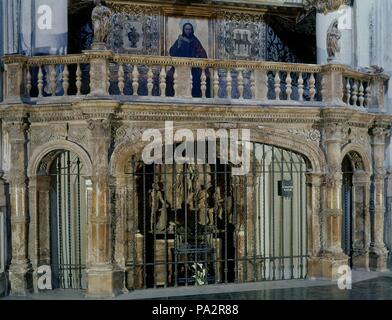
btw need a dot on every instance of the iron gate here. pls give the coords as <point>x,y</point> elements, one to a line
<point>67,222</point>
<point>347,188</point>
<point>199,224</point>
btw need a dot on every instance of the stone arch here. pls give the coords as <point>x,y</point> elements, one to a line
<point>357,220</point>
<point>358,157</point>
<point>43,156</point>
<point>312,153</point>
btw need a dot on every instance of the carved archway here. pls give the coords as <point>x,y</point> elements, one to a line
<point>356,199</point>
<point>41,176</point>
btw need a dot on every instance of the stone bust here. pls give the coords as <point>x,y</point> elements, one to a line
<point>100,17</point>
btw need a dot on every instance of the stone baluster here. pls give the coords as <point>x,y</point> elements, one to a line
<point>277,86</point>
<point>65,80</point>
<point>354,95</point>
<point>52,80</point>
<point>216,83</point>
<point>252,84</point>
<point>378,251</point>
<point>368,92</point>
<point>121,79</point>
<point>175,82</point>
<point>78,80</point>
<point>312,87</point>
<point>40,81</point>
<point>162,82</point>
<point>100,277</point>
<point>135,80</point>
<point>229,86</point>
<point>150,81</point>
<point>28,82</point>
<point>203,83</point>
<point>348,92</point>
<point>289,89</point>
<point>20,273</point>
<point>301,87</point>
<point>241,83</point>
<point>361,94</point>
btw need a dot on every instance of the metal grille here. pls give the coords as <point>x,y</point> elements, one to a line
<point>67,223</point>
<point>347,187</point>
<point>197,224</point>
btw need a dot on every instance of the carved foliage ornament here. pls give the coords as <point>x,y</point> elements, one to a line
<point>325,6</point>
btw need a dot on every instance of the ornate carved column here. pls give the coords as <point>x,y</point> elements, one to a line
<point>20,274</point>
<point>313,186</point>
<point>39,231</point>
<point>378,251</point>
<point>361,219</point>
<point>100,279</point>
<point>332,256</point>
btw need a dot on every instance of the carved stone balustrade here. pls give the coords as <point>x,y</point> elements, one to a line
<point>126,77</point>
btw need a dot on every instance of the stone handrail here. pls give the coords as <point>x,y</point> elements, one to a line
<point>102,73</point>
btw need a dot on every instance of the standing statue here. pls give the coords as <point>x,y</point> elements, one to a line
<point>100,17</point>
<point>158,205</point>
<point>333,40</point>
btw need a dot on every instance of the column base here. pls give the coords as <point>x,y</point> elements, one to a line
<point>104,282</point>
<point>378,259</point>
<point>3,285</point>
<point>326,266</point>
<point>360,260</point>
<point>20,279</point>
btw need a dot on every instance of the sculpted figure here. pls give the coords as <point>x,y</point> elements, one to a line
<point>333,40</point>
<point>101,22</point>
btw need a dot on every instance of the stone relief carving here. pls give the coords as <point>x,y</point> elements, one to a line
<point>134,29</point>
<point>333,40</point>
<point>127,133</point>
<point>241,36</point>
<point>43,134</point>
<point>311,135</point>
<point>101,17</point>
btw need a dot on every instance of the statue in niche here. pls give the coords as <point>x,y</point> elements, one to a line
<point>158,205</point>
<point>101,17</point>
<point>333,40</point>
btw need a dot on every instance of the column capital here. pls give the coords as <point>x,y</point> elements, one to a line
<point>333,131</point>
<point>100,128</point>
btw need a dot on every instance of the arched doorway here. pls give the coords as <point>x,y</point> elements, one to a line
<point>67,221</point>
<point>61,217</point>
<point>198,223</point>
<point>347,205</point>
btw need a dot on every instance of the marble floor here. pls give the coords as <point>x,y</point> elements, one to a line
<point>365,286</point>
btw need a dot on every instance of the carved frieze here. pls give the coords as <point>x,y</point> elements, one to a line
<point>43,134</point>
